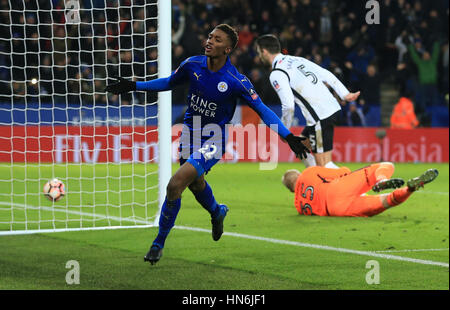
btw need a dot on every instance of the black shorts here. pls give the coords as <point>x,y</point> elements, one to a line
<point>321,134</point>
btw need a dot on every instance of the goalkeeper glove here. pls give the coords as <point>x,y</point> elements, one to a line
<point>122,86</point>
<point>297,146</point>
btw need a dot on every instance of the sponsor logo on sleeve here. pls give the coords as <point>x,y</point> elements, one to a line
<point>276,85</point>
<point>253,94</point>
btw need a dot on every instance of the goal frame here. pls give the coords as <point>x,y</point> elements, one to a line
<point>164,61</point>
<point>164,101</point>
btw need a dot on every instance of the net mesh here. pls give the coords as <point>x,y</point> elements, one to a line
<point>56,120</point>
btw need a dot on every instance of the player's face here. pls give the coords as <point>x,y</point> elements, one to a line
<point>217,44</point>
<point>262,55</point>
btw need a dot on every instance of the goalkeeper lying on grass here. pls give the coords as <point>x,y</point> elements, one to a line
<point>215,86</point>
<point>337,192</point>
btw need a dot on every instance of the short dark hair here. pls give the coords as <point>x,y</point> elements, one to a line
<point>231,33</point>
<point>270,43</point>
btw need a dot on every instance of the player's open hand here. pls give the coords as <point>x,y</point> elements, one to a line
<point>297,146</point>
<point>352,96</point>
<point>121,86</point>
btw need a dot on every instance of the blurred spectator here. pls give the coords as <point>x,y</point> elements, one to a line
<point>18,92</point>
<point>307,17</point>
<point>445,81</point>
<point>405,78</point>
<point>179,94</point>
<point>357,62</point>
<point>401,43</point>
<point>326,27</point>
<point>371,88</point>
<point>244,59</point>
<point>341,34</point>
<point>245,36</point>
<point>427,91</point>
<point>265,22</point>
<point>178,33</point>
<point>434,26</point>
<point>355,115</point>
<point>403,115</point>
<point>390,53</point>
<point>178,56</point>
<point>120,37</point>
<point>341,54</point>
<point>326,58</point>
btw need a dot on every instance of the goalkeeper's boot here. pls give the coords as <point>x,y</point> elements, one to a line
<point>387,184</point>
<point>217,223</point>
<point>418,182</point>
<point>153,255</point>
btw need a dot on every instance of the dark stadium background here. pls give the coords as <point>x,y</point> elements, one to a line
<point>331,33</point>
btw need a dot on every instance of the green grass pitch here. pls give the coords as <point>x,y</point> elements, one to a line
<point>266,244</point>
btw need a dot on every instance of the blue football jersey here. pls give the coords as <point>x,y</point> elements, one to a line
<point>212,101</point>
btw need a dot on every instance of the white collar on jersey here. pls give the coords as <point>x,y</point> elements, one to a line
<point>277,58</point>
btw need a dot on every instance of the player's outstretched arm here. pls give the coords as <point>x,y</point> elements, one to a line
<point>352,96</point>
<point>123,86</point>
<point>270,118</point>
<point>331,80</point>
<point>297,146</point>
<point>280,84</point>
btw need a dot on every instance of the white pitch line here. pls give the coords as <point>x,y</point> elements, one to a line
<point>142,223</point>
<point>238,235</point>
<point>411,250</point>
<point>433,193</point>
<point>57,230</point>
<point>324,247</point>
<point>64,210</point>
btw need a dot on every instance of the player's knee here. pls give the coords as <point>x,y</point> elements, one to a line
<point>197,186</point>
<point>174,188</point>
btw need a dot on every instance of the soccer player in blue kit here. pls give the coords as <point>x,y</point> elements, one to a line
<point>215,85</point>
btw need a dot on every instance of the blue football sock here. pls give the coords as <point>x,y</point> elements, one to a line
<point>207,200</point>
<point>169,212</point>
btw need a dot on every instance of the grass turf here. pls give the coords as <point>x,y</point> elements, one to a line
<point>259,206</point>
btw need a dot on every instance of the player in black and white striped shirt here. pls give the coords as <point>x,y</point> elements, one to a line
<point>300,81</point>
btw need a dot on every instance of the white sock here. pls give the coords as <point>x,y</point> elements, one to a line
<point>330,164</point>
<point>309,161</point>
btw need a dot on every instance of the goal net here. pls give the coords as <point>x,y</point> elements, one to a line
<point>56,120</point>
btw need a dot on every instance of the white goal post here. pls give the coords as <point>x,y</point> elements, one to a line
<point>165,99</point>
<point>113,153</point>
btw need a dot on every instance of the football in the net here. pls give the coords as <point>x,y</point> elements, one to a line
<point>54,190</point>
